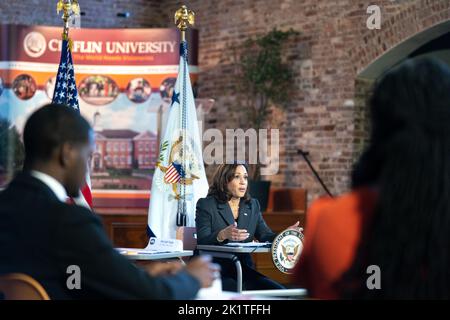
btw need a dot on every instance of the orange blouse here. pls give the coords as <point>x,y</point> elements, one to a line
<point>332,236</point>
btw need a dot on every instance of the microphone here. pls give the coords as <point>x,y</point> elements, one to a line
<point>305,155</point>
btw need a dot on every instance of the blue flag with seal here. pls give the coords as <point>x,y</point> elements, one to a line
<point>179,179</point>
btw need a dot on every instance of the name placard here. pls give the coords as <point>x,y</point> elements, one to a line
<point>157,244</point>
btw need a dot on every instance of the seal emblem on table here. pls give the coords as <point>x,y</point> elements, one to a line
<point>286,250</point>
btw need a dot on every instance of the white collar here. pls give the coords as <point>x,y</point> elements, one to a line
<point>52,183</point>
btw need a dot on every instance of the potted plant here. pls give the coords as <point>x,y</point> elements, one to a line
<point>12,152</point>
<point>265,81</point>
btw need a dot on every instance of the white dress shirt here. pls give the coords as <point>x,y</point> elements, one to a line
<point>52,183</point>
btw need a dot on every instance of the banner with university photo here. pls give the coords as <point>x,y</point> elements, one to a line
<point>125,80</point>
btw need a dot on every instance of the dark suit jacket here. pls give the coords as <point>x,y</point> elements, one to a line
<point>212,216</point>
<point>41,236</point>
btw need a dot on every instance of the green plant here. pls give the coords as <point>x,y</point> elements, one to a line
<point>12,152</point>
<point>265,79</point>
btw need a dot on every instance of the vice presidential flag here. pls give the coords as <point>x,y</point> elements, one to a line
<point>179,179</point>
<point>66,93</point>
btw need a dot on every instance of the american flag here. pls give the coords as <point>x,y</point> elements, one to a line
<point>66,93</point>
<point>174,173</point>
<point>65,86</point>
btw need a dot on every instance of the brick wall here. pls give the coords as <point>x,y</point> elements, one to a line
<point>98,13</point>
<point>327,115</point>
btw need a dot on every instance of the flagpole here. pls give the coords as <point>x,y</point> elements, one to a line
<point>65,17</point>
<point>183,19</point>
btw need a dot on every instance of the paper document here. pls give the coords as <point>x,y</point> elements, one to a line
<point>133,251</point>
<point>155,245</point>
<point>248,244</point>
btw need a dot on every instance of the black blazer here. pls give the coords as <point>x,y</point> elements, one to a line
<point>212,216</point>
<point>41,236</point>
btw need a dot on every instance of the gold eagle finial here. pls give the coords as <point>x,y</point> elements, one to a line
<point>70,9</point>
<point>184,18</point>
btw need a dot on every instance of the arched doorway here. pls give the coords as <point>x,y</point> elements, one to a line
<point>430,42</point>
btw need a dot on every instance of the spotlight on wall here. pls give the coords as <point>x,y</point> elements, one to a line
<point>123,14</point>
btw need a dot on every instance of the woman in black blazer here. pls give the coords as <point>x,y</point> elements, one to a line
<point>229,214</point>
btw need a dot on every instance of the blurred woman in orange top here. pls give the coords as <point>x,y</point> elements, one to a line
<point>398,215</point>
<point>332,236</point>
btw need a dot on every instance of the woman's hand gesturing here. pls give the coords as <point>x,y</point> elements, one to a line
<point>232,233</point>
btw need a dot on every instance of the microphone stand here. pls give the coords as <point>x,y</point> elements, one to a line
<point>305,154</point>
